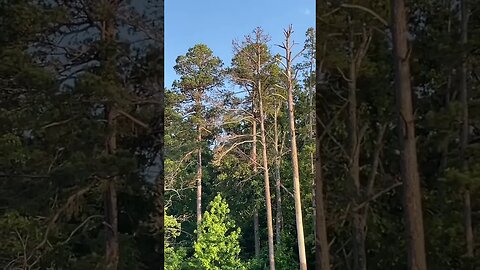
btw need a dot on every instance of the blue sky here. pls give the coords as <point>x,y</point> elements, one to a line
<point>217,22</point>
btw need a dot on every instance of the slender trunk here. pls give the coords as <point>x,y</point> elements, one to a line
<point>294,151</point>
<point>271,252</point>
<point>278,191</point>
<point>199,172</point>
<point>358,224</point>
<point>255,171</point>
<point>110,195</point>
<point>406,128</point>
<point>256,229</point>
<point>110,199</point>
<point>322,254</point>
<point>464,129</point>
<point>468,224</point>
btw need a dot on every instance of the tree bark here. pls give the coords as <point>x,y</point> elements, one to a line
<point>110,195</point>
<point>356,189</point>
<point>358,230</point>
<point>464,128</point>
<point>199,167</point>
<point>322,254</point>
<point>406,128</point>
<point>271,252</point>
<point>278,191</point>
<point>256,228</point>
<point>110,199</point>
<point>294,154</point>
<point>256,233</point>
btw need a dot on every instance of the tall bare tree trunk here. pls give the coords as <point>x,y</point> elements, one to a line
<point>322,253</point>
<point>268,202</point>
<point>256,227</point>
<point>110,198</point>
<point>359,256</point>
<point>199,167</point>
<point>354,142</point>
<point>464,129</point>
<point>110,195</point>
<point>294,152</point>
<point>406,128</point>
<point>278,191</point>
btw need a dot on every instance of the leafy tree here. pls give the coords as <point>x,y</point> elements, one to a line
<point>217,246</point>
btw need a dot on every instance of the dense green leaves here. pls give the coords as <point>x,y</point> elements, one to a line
<point>217,246</point>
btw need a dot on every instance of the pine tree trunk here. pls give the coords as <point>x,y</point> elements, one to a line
<point>278,191</point>
<point>406,128</point>
<point>199,177</point>
<point>256,233</point>
<point>256,228</point>
<point>322,253</point>
<point>358,230</point>
<point>464,128</point>
<point>110,199</point>
<point>294,151</point>
<point>110,195</point>
<point>268,202</point>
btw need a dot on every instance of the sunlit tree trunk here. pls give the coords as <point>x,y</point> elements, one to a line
<point>294,151</point>
<point>278,183</point>
<point>199,165</point>
<point>256,228</point>
<point>268,202</point>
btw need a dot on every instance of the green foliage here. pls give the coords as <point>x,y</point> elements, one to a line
<point>217,246</point>
<point>199,70</point>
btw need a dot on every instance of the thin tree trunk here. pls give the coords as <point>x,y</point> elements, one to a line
<point>278,191</point>
<point>110,199</point>
<point>199,176</point>
<point>271,251</point>
<point>322,253</point>
<point>464,129</point>
<point>406,128</point>
<point>110,195</point>
<point>256,233</point>
<point>294,151</point>
<point>358,223</point>
<point>256,228</point>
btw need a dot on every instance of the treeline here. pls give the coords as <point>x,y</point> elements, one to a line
<point>384,175</point>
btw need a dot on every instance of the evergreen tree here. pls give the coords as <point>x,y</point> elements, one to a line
<point>217,246</point>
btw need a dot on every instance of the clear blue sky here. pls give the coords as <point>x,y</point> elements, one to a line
<point>217,22</point>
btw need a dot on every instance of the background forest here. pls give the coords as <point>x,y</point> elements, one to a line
<point>85,181</point>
